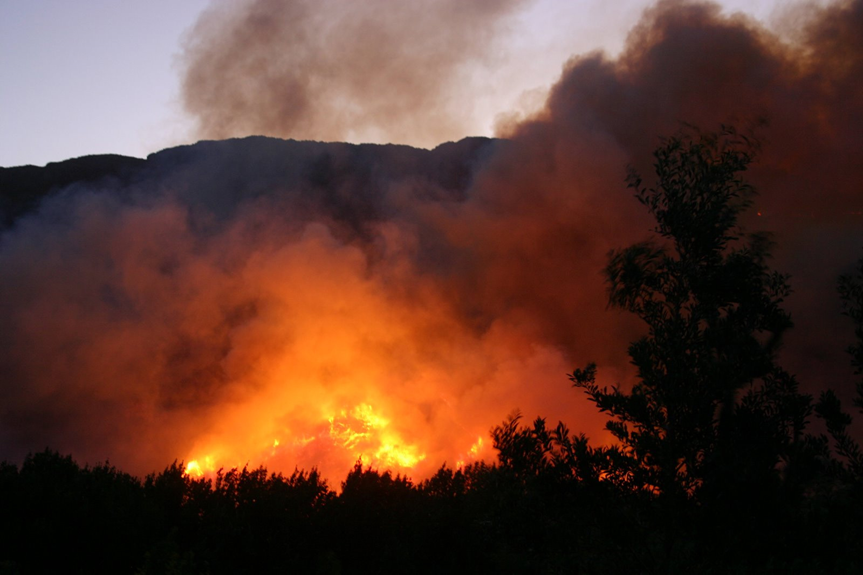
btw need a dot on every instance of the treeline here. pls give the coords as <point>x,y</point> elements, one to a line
<point>522,516</point>
<point>716,467</point>
<point>61,518</point>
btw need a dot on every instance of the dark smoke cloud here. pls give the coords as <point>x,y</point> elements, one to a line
<point>685,62</point>
<point>339,69</point>
<point>244,289</point>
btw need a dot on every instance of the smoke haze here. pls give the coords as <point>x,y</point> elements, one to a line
<point>341,70</point>
<point>302,304</point>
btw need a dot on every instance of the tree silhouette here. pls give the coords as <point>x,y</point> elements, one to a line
<point>829,407</point>
<point>711,406</point>
<point>851,292</point>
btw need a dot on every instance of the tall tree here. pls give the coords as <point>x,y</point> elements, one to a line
<point>829,407</point>
<point>710,404</point>
<point>851,292</point>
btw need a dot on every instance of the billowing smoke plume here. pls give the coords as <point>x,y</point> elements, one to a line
<point>687,63</point>
<point>371,71</point>
<point>299,303</point>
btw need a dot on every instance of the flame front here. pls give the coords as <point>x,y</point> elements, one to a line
<point>365,435</point>
<point>360,434</point>
<point>473,454</point>
<point>338,365</point>
<point>200,467</point>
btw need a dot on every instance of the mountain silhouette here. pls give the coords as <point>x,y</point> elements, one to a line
<point>345,176</point>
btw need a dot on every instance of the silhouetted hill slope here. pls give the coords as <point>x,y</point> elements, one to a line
<point>348,178</point>
<point>22,187</point>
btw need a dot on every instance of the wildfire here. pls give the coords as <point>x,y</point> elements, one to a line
<point>196,468</point>
<point>367,435</point>
<point>358,434</point>
<point>473,453</point>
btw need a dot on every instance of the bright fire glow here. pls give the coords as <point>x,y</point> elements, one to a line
<point>338,366</point>
<point>199,468</point>
<point>360,434</point>
<point>365,434</point>
<point>473,454</point>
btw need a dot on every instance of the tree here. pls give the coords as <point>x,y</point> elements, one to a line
<point>829,407</point>
<point>710,407</point>
<point>851,292</point>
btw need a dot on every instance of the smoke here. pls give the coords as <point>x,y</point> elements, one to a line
<point>304,304</point>
<point>686,62</point>
<point>341,70</point>
<point>232,310</point>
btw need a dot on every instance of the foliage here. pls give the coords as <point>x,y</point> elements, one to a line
<point>829,407</point>
<point>851,292</point>
<point>708,384</point>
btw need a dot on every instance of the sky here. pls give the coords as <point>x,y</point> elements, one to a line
<point>105,76</point>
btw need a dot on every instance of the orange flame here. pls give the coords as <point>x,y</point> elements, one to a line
<point>200,468</point>
<point>365,435</point>
<point>473,454</point>
<point>359,434</point>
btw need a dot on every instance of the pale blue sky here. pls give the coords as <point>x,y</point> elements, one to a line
<point>83,77</point>
<point>101,76</point>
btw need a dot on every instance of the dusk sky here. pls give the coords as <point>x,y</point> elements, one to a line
<point>104,76</point>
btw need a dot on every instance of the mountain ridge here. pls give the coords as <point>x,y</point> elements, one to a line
<point>262,159</point>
